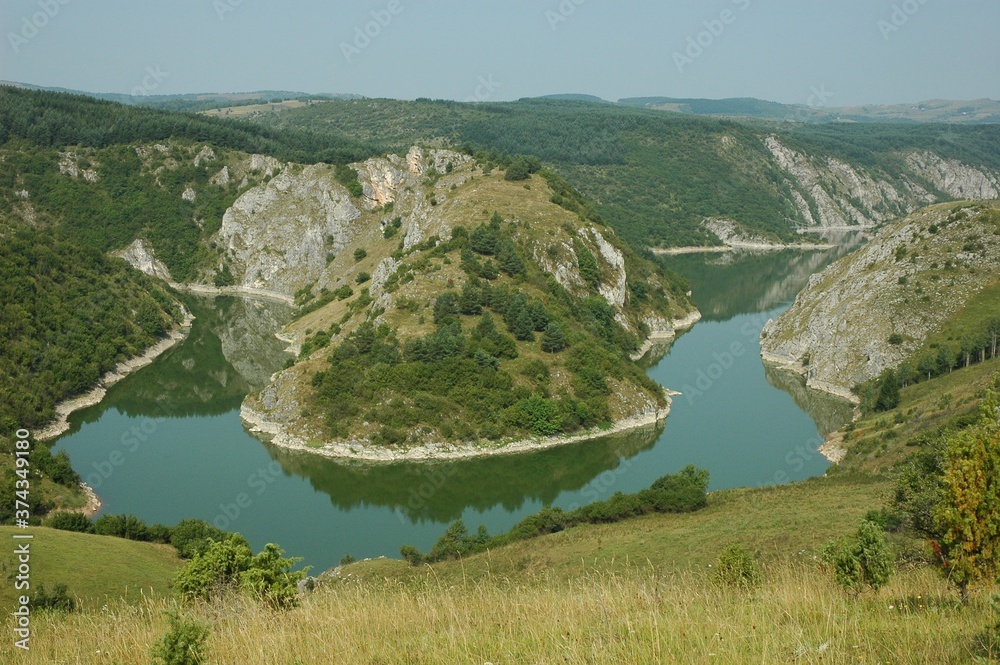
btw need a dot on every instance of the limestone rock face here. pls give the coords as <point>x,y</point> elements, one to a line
<point>830,193</point>
<point>276,236</point>
<point>140,255</point>
<point>906,282</point>
<point>954,178</point>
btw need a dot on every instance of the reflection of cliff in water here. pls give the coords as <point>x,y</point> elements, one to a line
<point>734,283</point>
<point>230,351</point>
<point>442,491</point>
<point>829,412</point>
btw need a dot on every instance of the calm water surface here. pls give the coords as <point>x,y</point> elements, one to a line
<point>167,442</point>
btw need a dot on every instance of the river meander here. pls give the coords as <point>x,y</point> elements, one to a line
<point>167,442</point>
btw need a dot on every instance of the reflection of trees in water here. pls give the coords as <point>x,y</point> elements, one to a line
<point>230,351</point>
<point>442,491</point>
<point>829,412</point>
<point>734,283</point>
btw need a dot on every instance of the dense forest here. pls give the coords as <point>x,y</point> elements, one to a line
<point>47,119</point>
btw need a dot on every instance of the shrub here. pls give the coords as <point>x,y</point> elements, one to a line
<point>192,537</point>
<point>71,522</point>
<point>229,564</point>
<point>183,644</point>
<point>57,601</point>
<point>738,568</point>
<point>360,253</point>
<point>864,560</point>
<point>362,277</point>
<point>122,526</point>
<point>347,559</point>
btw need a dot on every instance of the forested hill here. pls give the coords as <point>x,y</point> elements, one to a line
<point>52,120</point>
<point>656,176</point>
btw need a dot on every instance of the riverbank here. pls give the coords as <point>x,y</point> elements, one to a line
<point>362,451</point>
<point>736,246</point>
<point>60,423</point>
<point>660,337</point>
<point>833,445</point>
<point>205,290</point>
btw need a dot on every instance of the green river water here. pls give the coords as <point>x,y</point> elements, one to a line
<point>173,428</point>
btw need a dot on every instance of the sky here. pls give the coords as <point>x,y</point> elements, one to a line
<point>817,52</point>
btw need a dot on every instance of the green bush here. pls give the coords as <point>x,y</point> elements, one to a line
<point>360,253</point>
<point>230,565</point>
<point>738,568</point>
<point>192,537</point>
<point>122,526</point>
<point>863,560</point>
<point>71,522</point>
<point>684,491</point>
<point>184,643</point>
<point>58,600</point>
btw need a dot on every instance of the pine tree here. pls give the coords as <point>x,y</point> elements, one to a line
<point>554,339</point>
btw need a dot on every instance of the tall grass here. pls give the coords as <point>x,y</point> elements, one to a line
<point>796,615</point>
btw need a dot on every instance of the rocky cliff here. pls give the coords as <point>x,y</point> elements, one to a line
<point>831,193</point>
<point>873,309</point>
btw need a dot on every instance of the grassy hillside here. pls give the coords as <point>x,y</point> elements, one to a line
<point>879,442</point>
<point>96,569</point>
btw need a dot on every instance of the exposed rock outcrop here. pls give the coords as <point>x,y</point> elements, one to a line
<point>276,235</point>
<point>830,193</point>
<point>140,255</point>
<point>872,309</point>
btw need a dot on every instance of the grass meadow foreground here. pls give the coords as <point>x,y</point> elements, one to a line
<point>638,591</point>
<point>638,616</point>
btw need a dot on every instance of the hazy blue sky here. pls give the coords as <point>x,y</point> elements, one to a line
<point>782,50</point>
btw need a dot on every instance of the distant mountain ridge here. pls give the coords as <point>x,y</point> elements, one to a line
<point>937,110</point>
<point>934,110</point>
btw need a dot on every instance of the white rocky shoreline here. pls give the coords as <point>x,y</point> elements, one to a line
<point>362,451</point>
